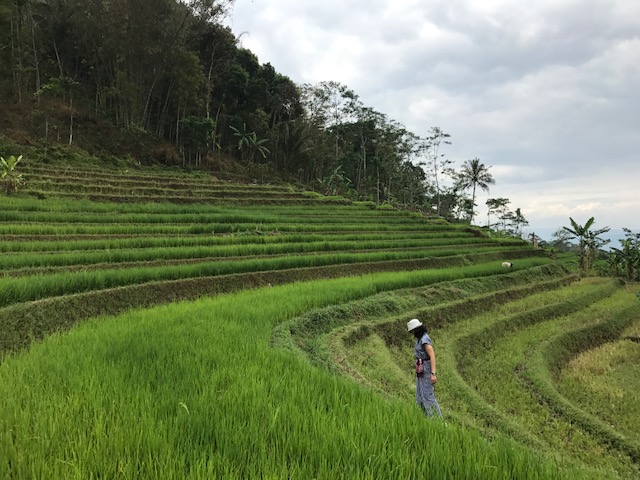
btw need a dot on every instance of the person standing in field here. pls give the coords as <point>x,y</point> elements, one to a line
<point>425,368</point>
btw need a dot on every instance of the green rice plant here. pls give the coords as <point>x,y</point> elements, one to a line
<point>71,243</point>
<point>23,323</point>
<point>195,391</point>
<point>85,212</point>
<point>159,393</point>
<point>203,229</point>
<point>227,217</point>
<point>145,218</point>
<point>66,205</point>
<point>28,288</point>
<point>116,256</point>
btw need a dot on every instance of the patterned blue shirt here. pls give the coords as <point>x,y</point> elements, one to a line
<point>419,351</point>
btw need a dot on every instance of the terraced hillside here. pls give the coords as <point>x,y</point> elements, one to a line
<point>93,258</point>
<point>146,186</point>
<point>292,297</point>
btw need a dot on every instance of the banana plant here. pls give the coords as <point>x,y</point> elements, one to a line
<point>249,144</point>
<point>588,239</point>
<point>627,258</point>
<point>12,179</point>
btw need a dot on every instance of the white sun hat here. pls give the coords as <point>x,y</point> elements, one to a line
<point>413,324</point>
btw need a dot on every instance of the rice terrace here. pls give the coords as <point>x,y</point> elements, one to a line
<point>172,325</point>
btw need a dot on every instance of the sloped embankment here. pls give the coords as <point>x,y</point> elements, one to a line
<point>502,342</point>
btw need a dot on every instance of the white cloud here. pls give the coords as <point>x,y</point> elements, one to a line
<point>545,91</point>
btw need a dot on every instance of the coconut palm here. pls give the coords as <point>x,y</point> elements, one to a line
<point>474,174</point>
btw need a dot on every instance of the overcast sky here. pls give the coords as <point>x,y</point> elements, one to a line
<point>547,92</point>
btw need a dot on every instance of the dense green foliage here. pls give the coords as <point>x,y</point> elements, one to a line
<point>165,81</point>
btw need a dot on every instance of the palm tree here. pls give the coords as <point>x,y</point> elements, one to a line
<point>474,174</point>
<point>588,240</point>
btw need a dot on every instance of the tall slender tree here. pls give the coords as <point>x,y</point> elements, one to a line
<point>499,207</point>
<point>474,174</point>
<point>437,162</point>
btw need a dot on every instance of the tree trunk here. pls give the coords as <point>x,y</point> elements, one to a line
<point>71,120</point>
<point>55,49</point>
<point>215,124</point>
<point>36,62</point>
<point>17,48</point>
<point>473,203</point>
<point>209,89</point>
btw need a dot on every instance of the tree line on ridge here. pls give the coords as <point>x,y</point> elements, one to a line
<point>172,69</point>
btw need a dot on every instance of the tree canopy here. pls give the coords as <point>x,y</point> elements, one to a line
<point>171,69</point>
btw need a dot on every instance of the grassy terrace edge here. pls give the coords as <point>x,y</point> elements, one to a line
<point>557,352</point>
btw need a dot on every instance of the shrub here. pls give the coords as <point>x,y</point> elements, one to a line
<point>12,179</point>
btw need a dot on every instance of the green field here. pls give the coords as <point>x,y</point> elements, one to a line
<point>175,326</point>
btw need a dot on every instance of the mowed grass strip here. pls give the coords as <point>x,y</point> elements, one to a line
<point>195,391</point>
<point>466,344</point>
<point>604,382</point>
<point>495,373</point>
<point>441,303</point>
<point>555,352</point>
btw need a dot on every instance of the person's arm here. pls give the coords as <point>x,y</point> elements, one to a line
<point>432,355</point>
